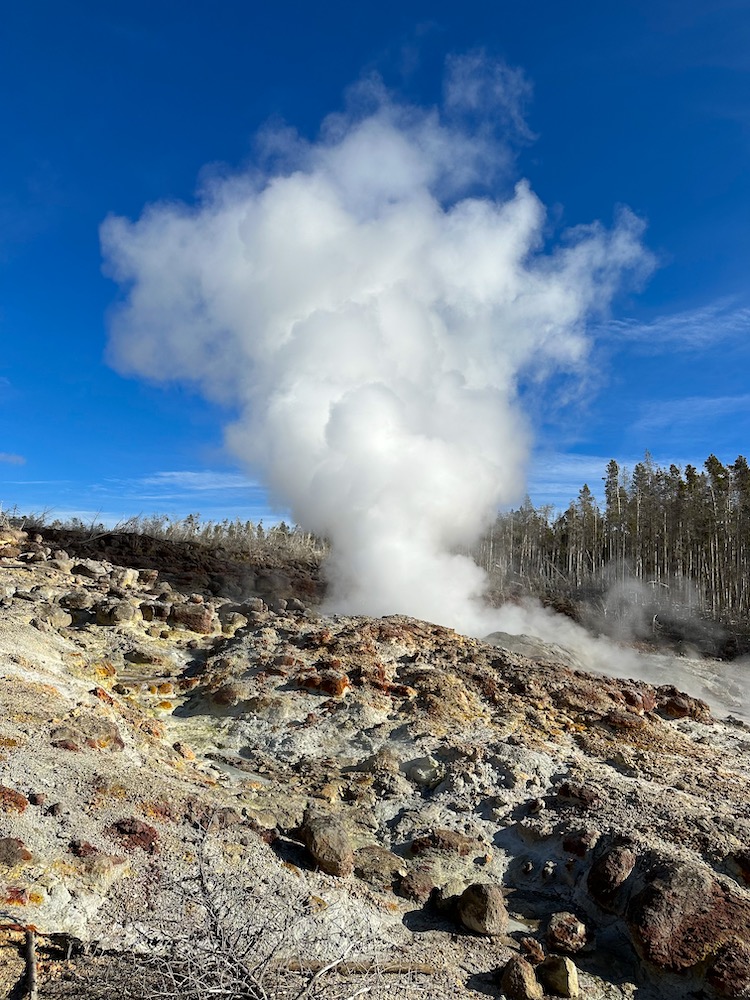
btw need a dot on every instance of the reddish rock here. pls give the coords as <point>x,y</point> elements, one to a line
<point>532,950</point>
<point>684,916</point>
<point>82,849</point>
<point>677,705</point>
<point>641,699</point>
<point>134,834</point>
<point>11,800</point>
<point>566,932</point>
<point>730,973</point>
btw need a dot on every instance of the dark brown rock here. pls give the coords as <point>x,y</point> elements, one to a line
<point>608,873</point>
<point>518,980</point>
<point>739,863</point>
<point>532,950</point>
<point>379,867</point>
<point>580,842</point>
<point>580,795</point>
<point>328,844</point>
<point>417,884</point>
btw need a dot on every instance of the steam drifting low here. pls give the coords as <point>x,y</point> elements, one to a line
<point>369,315</point>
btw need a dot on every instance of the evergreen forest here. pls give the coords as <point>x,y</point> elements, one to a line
<point>666,537</point>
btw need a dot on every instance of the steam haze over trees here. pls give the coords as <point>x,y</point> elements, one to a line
<point>684,533</point>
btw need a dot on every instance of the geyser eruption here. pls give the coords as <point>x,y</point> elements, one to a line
<point>370,316</point>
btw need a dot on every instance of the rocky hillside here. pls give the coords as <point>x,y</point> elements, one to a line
<point>207,788</point>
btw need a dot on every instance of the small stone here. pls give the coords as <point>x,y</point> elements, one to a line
<point>417,884</point>
<point>518,981</point>
<point>482,909</point>
<point>13,852</point>
<point>583,796</point>
<point>446,841</point>
<point>184,750</point>
<point>133,834</point>
<point>424,771</point>
<point>559,975</point>
<point>379,867</point>
<point>532,950</point>
<point>329,844</point>
<point>608,873</point>
<point>11,800</point>
<point>566,932</point>
<point>195,617</point>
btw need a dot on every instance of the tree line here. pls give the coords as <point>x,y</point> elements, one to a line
<point>681,535</point>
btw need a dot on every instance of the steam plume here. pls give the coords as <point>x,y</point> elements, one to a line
<point>370,317</point>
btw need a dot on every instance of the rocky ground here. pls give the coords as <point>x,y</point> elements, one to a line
<point>207,786</point>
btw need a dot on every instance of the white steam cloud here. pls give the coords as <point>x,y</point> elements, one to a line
<point>370,316</point>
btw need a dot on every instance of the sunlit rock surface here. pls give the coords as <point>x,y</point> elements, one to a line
<point>353,778</point>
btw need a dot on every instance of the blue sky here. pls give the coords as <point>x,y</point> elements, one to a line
<point>106,108</point>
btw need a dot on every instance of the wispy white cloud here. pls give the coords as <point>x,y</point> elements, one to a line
<point>555,477</point>
<point>199,481</point>
<point>692,412</point>
<point>690,330</point>
<point>11,459</point>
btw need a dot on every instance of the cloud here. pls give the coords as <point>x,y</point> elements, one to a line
<point>199,481</point>
<point>371,315</point>
<point>696,412</point>
<point>690,330</point>
<point>12,459</point>
<point>490,90</point>
<point>556,477</point>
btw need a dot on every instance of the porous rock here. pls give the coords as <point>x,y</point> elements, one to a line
<point>566,932</point>
<point>684,916</point>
